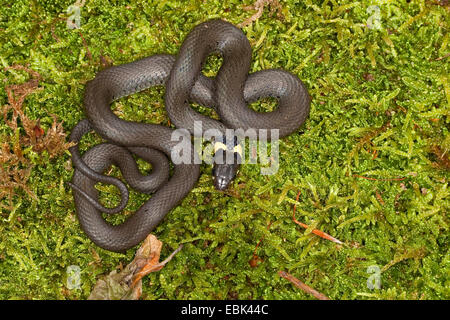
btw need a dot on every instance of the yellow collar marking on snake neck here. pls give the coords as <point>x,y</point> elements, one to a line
<point>222,146</point>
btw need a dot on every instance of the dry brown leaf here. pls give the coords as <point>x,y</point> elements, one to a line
<point>127,283</point>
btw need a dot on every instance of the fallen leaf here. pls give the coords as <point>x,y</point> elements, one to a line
<point>126,284</point>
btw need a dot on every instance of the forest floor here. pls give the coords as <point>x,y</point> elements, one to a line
<point>370,164</point>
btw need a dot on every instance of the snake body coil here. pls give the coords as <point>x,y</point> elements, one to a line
<point>228,93</point>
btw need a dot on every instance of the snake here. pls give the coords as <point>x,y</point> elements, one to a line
<point>229,93</point>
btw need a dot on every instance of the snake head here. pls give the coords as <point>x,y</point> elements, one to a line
<point>223,174</point>
<point>227,159</point>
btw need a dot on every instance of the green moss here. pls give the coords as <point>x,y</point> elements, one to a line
<point>380,109</point>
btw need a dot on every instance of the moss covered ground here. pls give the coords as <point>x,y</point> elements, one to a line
<point>371,163</point>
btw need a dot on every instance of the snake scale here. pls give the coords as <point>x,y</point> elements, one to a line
<point>228,93</point>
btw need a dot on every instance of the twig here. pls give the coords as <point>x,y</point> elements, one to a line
<point>315,231</point>
<point>443,57</point>
<point>302,286</point>
<point>163,263</point>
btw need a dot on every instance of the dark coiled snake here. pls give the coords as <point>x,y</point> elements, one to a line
<point>228,93</point>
